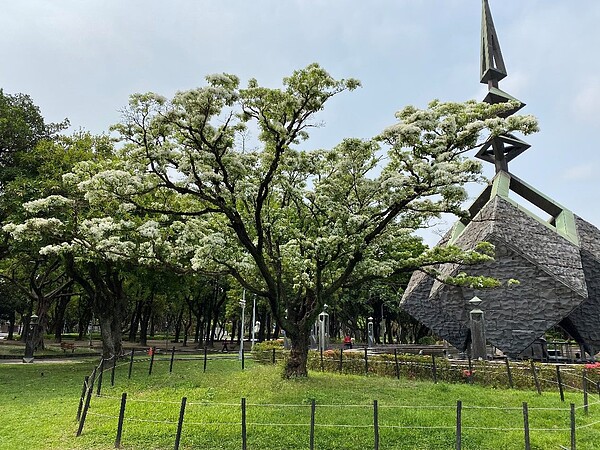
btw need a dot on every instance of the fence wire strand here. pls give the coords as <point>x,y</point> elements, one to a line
<point>571,384</point>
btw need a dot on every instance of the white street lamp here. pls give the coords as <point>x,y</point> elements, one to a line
<point>29,342</point>
<point>477,326</point>
<point>243,305</point>
<point>253,321</point>
<point>323,326</point>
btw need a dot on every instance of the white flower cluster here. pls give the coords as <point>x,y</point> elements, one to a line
<point>31,229</point>
<point>48,203</point>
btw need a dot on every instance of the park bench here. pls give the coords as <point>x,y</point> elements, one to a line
<point>67,346</point>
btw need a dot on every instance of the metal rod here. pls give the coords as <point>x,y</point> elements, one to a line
<point>121,418</point>
<point>152,352</point>
<point>180,422</point>
<point>535,377</point>
<point>88,398</point>
<point>573,443</point>
<point>560,384</point>
<point>585,392</point>
<point>172,358</point>
<point>458,424</point>
<point>244,437</point>
<point>526,426</point>
<point>509,373</point>
<point>312,423</point>
<point>131,363</point>
<point>112,372</point>
<point>82,398</point>
<point>376,424</point>
<point>99,389</point>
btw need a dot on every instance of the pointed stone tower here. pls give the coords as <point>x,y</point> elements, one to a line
<point>556,258</point>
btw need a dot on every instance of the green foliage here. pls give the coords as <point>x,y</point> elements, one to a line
<point>426,340</point>
<point>22,127</point>
<point>291,226</point>
<point>266,346</point>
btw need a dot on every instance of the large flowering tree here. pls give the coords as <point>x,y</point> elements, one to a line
<point>290,225</point>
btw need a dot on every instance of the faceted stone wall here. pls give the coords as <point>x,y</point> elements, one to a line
<point>559,282</point>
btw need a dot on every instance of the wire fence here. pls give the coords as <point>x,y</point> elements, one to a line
<point>460,419</point>
<point>248,418</point>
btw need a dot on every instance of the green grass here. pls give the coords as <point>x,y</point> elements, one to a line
<point>39,405</point>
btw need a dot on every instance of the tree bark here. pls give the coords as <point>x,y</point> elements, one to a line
<point>178,325</point>
<point>11,325</point>
<point>59,322</point>
<point>135,321</point>
<point>295,365</point>
<point>146,316</point>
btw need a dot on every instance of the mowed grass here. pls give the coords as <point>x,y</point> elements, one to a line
<point>39,406</point>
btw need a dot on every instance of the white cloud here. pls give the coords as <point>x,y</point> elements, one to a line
<point>586,104</point>
<point>581,172</point>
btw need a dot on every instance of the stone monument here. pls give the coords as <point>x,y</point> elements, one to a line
<point>555,259</point>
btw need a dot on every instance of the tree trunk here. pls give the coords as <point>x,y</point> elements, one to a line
<point>42,326</point>
<point>85,316</point>
<point>263,324</point>
<point>207,329</point>
<point>268,325</point>
<point>199,332</point>
<point>187,324</point>
<point>178,325</point>
<point>109,341</point>
<point>11,325</point>
<point>234,325</point>
<point>295,365</point>
<point>135,321</point>
<point>104,286</point>
<point>59,322</point>
<point>144,325</point>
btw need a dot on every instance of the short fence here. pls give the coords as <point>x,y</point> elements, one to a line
<point>243,417</point>
<point>498,374</point>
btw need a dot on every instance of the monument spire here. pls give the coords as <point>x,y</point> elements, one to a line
<point>492,63</point>
<point>501,149</point>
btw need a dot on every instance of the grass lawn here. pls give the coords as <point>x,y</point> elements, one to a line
<point>39,405</point>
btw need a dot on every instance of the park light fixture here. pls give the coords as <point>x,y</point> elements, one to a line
<point>371,340</point>
<point>29,342</point>
<point>243,305</point>
<point>323,326</point>
<point>477,328</point>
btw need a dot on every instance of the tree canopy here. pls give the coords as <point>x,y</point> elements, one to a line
<point>292,226</point>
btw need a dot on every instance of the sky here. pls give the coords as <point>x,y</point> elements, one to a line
<point>82,59</point>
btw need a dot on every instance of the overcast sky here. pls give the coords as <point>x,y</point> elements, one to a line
<point>81,59</point>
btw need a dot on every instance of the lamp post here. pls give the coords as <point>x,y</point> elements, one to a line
<point>323,325</point>
<point>370,331</point>
<point>476,324</point>
<point>33,322</point>
<point>253,321</point>
<point>243,305</point>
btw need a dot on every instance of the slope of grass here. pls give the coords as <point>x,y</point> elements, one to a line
<point>40,403</point>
